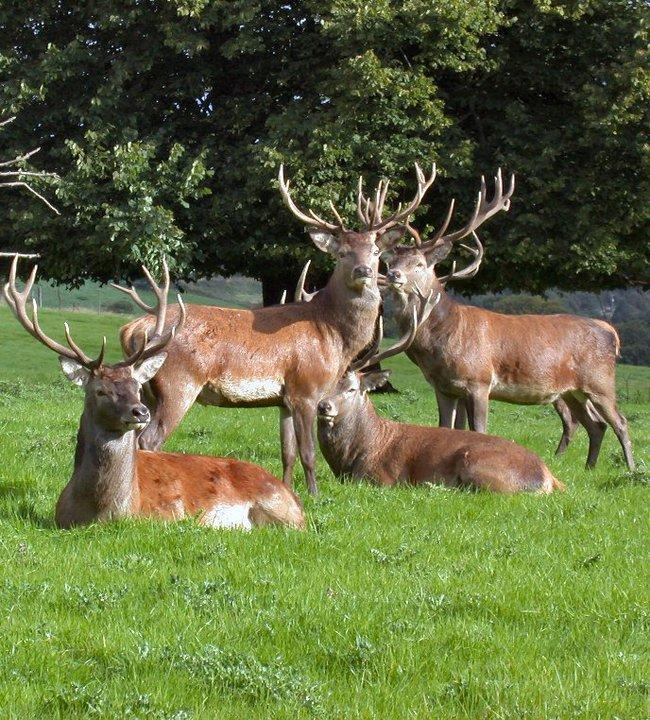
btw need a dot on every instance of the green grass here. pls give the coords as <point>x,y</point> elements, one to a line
<point>402,603</point>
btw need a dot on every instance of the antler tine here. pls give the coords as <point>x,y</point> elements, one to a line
<point>17,302</point>
<point>309,219</point>
<point>403,213</point>
<point>363,216</point>
<point>147,350</point>
<point>472,268</point>
<point>439,233</point>
<point>283,297</point>
<point>414,234</point>
<point>73,345</point>
<point>339,220</point>
<point>161,294</point>
<point>484,209</point>
<point>167,337</point>
<point>133,294</point>
<point>300,286</point>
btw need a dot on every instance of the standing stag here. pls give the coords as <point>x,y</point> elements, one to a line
<point>287,356</point>
<point>356,441</point>
<point>112,478</point>
<point>471,354</point>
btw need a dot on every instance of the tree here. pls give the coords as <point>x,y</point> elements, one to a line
<point>167,122</point>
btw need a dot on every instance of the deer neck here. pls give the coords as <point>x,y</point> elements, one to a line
<point>351,443</point>
<point>353,314</point>
<point>105,470</point>
<point>442,314</point>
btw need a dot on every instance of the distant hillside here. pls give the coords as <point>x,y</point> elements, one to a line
<point>236,291</point>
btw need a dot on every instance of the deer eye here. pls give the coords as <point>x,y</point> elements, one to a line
<point>100,393</point>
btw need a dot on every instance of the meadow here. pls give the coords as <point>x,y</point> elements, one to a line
<point>396,603</point>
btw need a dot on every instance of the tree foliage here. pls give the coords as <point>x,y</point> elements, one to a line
<point>167,122</point>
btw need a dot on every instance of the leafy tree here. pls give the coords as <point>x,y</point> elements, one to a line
<point>167,122</point>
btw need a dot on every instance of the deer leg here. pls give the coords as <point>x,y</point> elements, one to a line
<point>606,408</point>
<point>288,445</point>
<point>585,413</point>
<point>570,422</point>
<point>171,403</point>
<point>446,409</point>
<point>461,415</point>
<point>477,409</point>
<point>303,423</point>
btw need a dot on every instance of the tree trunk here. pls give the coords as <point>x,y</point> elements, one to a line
<point>272,289</point>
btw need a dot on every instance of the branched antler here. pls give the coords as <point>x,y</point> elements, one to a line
<point>150,347</point>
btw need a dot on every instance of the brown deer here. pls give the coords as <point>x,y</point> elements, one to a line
<point>356,441</point>
<point>471,354</point>
<point>113,479</point>
<point>287,356</point>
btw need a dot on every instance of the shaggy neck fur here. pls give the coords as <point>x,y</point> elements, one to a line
<point>353,314</point>
<point>104,471</point>
<point>444,311</point>
<point>351,443</point>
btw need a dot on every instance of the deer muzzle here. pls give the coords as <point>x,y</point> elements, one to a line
<point>139,416</point>
<point>326,411</point>
<point>362,276</point>
<point>396,279</point>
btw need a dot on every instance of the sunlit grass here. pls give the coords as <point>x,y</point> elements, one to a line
<point>396,603</point>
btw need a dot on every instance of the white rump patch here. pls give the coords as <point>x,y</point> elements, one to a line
<point>249,389</point>
<point>229,516</point>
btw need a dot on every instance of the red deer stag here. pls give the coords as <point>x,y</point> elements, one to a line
<point>113,479</point>
<point>471,354</point>
<point>356,441</point>
<point>287,356</point>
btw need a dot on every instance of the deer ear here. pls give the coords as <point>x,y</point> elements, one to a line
<point>74,371</point>
<point>438,253</point>
<point>149,367</point>
<point>373,380</point>
<point>391,237</point>
<point>323,240</point>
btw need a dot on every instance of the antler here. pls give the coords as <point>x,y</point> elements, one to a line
<point>472,268</point>
<point>146,350</point>
<point>370,211</point>
<point>300,294</point>
<point>17,301</point>
<point>482,211</point>
<point>309,218</point>
<point>419,315</point>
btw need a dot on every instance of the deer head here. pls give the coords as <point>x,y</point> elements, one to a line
<point>112,392</point>
<point>414,266</point>
<point>357,252</point>
<point>349,395</point>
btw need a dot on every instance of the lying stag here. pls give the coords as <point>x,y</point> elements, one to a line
<point>113,479</point>
<point>287,356</point>
<point>471,354</point>
<point>356,441</point>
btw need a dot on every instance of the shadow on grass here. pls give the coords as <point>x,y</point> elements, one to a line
<point>20,506</point>
<point>640,476</point>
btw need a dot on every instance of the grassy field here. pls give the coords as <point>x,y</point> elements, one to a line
<point>402,603</point>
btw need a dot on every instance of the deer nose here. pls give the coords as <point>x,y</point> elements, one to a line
<point>141,413</point>
<point>325,407</point>
<point>394,276</point>
<point>362,271</point>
